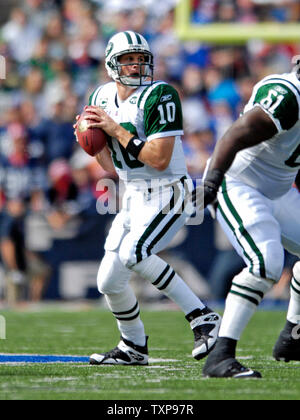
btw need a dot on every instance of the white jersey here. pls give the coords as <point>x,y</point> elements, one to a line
<point>150,112</point>
<point>271,166</point>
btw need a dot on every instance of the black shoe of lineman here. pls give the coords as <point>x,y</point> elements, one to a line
<point>229,368</point>
<point>205,324</point>
<point>126,353</point>
<point>287,347</point>
<point>221,362</point>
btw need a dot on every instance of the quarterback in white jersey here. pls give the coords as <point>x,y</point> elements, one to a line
<point>251,174</point>
<point>144,121</point>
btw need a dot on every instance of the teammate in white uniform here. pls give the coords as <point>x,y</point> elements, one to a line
<point>260,212</point>
<point>144,120</point>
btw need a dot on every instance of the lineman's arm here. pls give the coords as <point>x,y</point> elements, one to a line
<point>157,153</point>
<point>249,130</point>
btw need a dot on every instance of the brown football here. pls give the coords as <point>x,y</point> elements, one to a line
<point>93,139</point>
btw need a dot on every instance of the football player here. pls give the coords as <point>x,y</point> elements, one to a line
<point>144,121</point>
<point>259,209</point>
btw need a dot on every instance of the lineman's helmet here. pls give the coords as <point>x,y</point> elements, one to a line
<point>124,43</point>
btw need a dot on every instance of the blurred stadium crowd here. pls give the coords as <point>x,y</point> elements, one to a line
<point>54,52</point>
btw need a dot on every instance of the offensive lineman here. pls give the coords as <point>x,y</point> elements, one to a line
<point>144,121</point>
<point>260,213</point>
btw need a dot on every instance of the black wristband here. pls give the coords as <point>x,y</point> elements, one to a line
<point>134,146</point>
<point>214,179</point>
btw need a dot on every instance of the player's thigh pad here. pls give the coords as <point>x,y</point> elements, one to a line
<point>247,218</point>
<point>287,212</point>
<point>153,223</point>
<point>117,232</point>
<point>112,277</point>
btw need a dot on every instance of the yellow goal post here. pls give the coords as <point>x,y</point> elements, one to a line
<point>231,33</point>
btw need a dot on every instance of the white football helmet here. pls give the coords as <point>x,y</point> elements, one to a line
<point>124,43</point>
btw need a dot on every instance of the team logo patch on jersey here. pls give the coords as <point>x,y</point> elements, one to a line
<point>166,98</point>
<point>103,103</point>
<point>133,100</point>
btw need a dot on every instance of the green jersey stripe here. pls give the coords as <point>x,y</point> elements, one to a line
<point>95,96</point>
<point>92,96</point>
<point>129,39</point>
<point>145,91</point>
<point>233,231</point>
<point>252,300</point>
<point>244,232</point>
<point>248,289</point>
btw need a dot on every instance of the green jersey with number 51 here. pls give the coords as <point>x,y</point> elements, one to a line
<point>150,112</point>
<point>271,166</point>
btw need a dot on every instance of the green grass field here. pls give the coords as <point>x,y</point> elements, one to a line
<point>171,375</point>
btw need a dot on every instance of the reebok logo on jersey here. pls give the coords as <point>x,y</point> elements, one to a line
<point>280,89</point>
<point>166,98</point>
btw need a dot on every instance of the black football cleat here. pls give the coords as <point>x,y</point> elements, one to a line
<point>205,324</point>
<point>287,347</point>
<point>229,368</point>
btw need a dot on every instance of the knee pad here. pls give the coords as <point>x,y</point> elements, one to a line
<point>112,277</point>
<point>251,287</point>
<point>296,271</point>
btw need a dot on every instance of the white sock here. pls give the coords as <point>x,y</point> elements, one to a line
<point>238,312</point>
<point>293,314</point>
<point>125,308</point>
<point>161,275</point>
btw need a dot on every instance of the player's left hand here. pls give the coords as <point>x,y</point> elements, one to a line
<point>101,119</point>
<point>210,195</point>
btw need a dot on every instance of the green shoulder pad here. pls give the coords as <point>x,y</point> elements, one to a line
<point>162,111</point>
<point>280,101</point>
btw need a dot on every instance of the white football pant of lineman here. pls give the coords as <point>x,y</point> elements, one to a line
<point>259,229</point>
<point>146,224</point>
